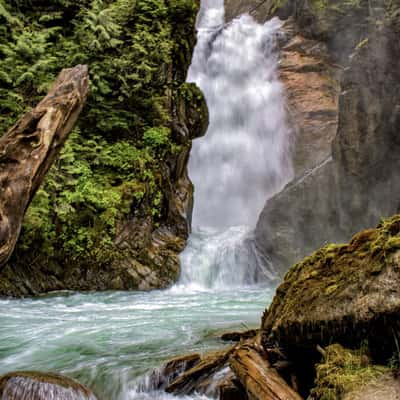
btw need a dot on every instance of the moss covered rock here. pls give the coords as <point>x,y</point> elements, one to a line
<point>343,293</point>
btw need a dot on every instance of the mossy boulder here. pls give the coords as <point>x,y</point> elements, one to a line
<point>42,386</point>
<point>342,293</point>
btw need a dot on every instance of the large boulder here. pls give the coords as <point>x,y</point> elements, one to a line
<point>42,386</point>
<point>342,294</point>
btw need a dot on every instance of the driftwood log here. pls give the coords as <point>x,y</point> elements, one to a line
<point>29,148</point>
<point>261,381</point>
<point>197,377</point>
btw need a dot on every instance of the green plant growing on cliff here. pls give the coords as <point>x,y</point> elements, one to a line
<point>112,163</point>
<point>157,138</point>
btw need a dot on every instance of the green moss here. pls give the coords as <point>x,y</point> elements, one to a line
<point>329,292</point>
<point>393,243</point>
<point>343,371</point>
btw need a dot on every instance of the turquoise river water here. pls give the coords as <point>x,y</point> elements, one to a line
<point>109,341</point>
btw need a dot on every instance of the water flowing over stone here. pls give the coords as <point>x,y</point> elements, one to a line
<point>109,341</point>
<point>39,386</point>
<point>245,156</point>
<point>223,260</point>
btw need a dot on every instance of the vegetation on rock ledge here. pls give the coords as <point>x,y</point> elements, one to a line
<point>138,52</point>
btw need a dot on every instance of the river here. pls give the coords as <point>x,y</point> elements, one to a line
<point>110,341</point>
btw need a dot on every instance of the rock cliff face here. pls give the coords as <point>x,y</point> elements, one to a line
<point>341,72</point>
<point>311,79</point>
<point>118,203</point>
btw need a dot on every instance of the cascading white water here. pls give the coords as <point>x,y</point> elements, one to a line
<point>245,156</point>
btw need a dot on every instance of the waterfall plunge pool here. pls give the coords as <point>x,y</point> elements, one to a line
<point>108,341</point>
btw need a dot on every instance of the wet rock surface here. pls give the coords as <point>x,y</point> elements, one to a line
<point>42,386</point>
<point>357,183</point>
<point>386,387</point>
<point>312,92</point>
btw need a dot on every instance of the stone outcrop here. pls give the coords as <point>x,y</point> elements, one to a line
<point>312,91</point>
<point>357,182</point>
<point>342,294</point>
<point>42,386</point>
<point>144,253</point>
<point>30,147</point>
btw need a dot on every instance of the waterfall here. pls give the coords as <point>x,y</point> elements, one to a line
<point>244,158</point>
<point>112,341</point>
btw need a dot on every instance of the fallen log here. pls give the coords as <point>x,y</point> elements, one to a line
<point>30,147</point>
<point>258,377</point>
<point>200,376</point>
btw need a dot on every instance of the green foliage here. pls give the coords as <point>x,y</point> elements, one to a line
<point>111,164</point>
<point>157,138</point>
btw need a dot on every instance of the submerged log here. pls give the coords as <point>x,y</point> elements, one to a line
<point>29,148</point>
<point>258,377</point>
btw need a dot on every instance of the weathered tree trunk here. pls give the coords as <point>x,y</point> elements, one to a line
<point>191,380</point>
<point>30,147</point>
<point>261,381</point>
